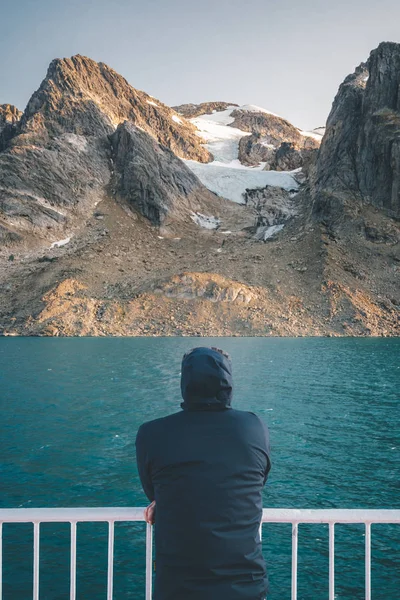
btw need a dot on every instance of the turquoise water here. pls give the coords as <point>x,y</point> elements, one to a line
<point>70,409</point>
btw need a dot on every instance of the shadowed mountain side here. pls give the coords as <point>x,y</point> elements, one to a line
<point>152,180</point>
<point>359,158</point>
<point>45,188</point>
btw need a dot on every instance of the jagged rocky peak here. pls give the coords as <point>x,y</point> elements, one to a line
<point>359,159</point>
<point>153,181</point>
<point>191,111</point>
<point>87,98</point>
<point>55,163</point>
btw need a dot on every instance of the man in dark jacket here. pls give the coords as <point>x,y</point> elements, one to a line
<point>205,468</point>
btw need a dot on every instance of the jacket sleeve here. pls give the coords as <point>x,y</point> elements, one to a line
<point>143,463</point>
<point>267,449</point>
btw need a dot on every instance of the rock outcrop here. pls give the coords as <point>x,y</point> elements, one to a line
<point>190,111</point>
<point>255,148</point>
<point>286,156</point>
<point>275,128</point>
<point>273,140</point>
<point>208,286</point>
<point>152,180</point>
<point>273,207</point>
<point>359,159</point>
<point>9,114</point>
<point>9,117</point>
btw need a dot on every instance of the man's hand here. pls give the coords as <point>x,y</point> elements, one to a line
<point>150,513</point>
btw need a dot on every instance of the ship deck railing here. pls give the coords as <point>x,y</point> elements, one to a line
<point>330,517</point>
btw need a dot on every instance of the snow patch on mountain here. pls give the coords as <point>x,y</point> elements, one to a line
<point>312,134</point>
<point>232,183</point>
<point>60,243</point>
<point>257,109</point>
<point>205,221</point>
<point>222,141</point>
<point>265,233</point>
<point>226,176</point>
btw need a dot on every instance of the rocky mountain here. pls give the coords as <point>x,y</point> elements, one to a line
<point>359,159</point>
<point>56,163</point>
<point>122,216</point>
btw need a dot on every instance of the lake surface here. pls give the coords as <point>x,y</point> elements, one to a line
<point>70,409</point>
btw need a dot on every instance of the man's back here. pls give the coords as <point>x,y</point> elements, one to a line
<point>206,469</point>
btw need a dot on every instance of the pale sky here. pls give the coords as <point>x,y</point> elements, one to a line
<point>288,56</point>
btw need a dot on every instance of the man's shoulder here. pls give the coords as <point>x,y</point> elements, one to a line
<point>250,421</point>
<point>156,424</point>
<point>246,415</point>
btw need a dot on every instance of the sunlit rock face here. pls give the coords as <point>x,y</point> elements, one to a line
<point>84,97</point>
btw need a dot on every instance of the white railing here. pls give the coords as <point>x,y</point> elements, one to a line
<point>113,515</point>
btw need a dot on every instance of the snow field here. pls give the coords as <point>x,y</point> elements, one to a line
<point>226,175</point>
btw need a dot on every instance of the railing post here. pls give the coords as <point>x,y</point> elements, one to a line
<point>1,561</point>
<point>72,592</point>
<point>36,532</point>
<point>295,530</point>
<point>367,561</point>
<point>331,561</point>
<point>110,566</point>
<point>149,561</point>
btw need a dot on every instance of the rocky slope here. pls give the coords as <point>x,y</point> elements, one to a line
<point>146,247</point>
<point>120,276</point>
<point>359,160</point>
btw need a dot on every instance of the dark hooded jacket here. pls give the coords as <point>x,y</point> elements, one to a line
<point>206,466</point>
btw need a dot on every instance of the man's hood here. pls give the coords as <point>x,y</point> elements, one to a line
<point>206,381</point>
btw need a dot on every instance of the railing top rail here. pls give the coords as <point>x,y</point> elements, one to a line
<point>29,515</point>
<point>330,515</point>
<point>270,515</point>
